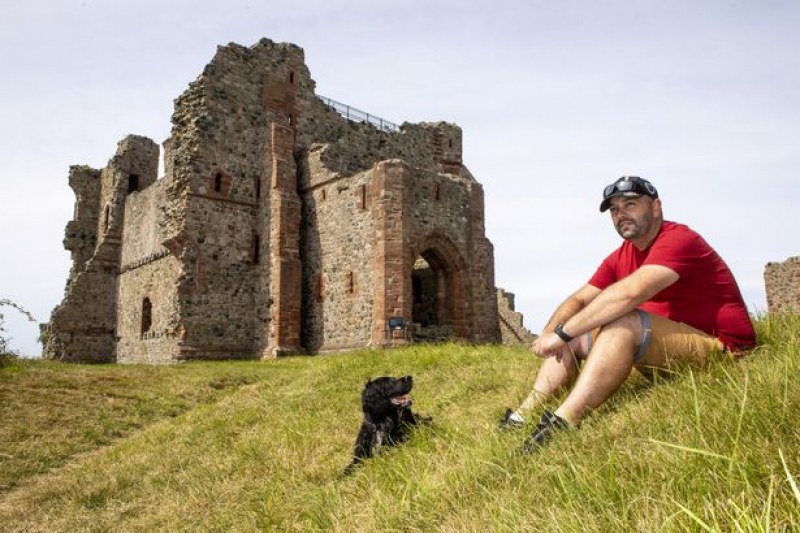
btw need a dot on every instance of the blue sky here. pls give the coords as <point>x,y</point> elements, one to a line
<point>556,99</point>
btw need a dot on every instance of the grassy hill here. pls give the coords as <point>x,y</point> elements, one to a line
<point>262,446</point>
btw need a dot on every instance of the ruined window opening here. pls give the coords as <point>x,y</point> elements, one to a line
<point>363,194</point>
<point>438,193</point>
<point>258,188</point>
<point>218,182</point>
<point>324,194</point>
<point>106,216</point>
<point>147,315</point>
<point>291,76</point>
<point>291,120</point>
<point>351,283</point>
<point>319,289</point>
<point>450,143</point>
<point>256,248</point>
<point>133,183</point>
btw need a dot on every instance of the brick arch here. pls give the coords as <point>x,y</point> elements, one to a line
<point>448,270</point>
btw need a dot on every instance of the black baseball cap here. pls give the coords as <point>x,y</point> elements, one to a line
<point>628,186</point>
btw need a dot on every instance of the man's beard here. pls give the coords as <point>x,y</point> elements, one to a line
<point>634,228</point>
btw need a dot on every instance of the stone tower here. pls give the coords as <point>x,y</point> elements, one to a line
<point>280,226</point>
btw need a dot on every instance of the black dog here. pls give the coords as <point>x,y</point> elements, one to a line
<point>387,416</point>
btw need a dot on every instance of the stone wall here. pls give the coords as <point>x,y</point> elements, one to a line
<point>155,341</point>
<point>80,235</point>
<point>782,282</point>
<point>133,168</point>
<point>512,330</point>
<point>221,157</point>
<point>83,326</point>
<point>147,274</point>
<point>218,283</point>
<point>356,147</point>
<point>338,276</point>
<point>142,233</point>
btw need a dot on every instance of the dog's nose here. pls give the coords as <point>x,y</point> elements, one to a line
<point>407,378</point>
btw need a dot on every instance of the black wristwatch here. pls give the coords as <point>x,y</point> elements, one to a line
<point>563,335</point>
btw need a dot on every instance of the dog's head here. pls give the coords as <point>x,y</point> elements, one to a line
<point>386,394</point>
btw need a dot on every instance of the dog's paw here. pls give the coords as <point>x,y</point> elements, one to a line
<point>425,420</point>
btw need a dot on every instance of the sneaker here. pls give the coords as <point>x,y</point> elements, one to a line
<point>511,421</point>
<point>549,423</point>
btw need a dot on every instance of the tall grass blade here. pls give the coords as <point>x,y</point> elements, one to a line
<point>695,400</point>
<point>768,504</point>
<point>694,517</point>
<point>691,450</point>
<point>792,482</point>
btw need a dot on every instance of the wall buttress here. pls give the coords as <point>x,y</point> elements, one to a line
<point>284,248</point>
<point>391,212</point>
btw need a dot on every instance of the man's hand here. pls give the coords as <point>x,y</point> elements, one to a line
<point>550,345</point>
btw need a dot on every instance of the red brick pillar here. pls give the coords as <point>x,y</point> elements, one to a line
<point>483,315</point>
<point>391,211</point>
<point>284,247</point>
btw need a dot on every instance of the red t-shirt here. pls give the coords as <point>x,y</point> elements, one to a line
<point>705,297</point>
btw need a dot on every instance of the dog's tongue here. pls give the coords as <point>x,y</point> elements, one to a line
<point>405,399</point>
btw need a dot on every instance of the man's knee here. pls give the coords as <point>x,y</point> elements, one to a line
<point>631,331</point>
<point>629,323</point>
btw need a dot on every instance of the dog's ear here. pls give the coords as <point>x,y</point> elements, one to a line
<point>371,393</point>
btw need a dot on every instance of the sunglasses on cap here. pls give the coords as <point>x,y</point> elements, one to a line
<point>627,186</point>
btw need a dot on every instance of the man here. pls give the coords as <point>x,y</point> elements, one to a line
<point>662,299</point>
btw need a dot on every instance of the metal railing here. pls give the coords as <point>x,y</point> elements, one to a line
<point>356,115</point>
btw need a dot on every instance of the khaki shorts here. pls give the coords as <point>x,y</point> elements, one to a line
<point>669,344</point>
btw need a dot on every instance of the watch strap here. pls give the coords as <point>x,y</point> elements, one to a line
<point>563,335</point>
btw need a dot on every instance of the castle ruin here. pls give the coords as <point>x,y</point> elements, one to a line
<point>782,282</point>
<point>279,227</point>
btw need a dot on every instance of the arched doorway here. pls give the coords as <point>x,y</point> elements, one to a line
<point>437,292</point>
<point>428,289</point>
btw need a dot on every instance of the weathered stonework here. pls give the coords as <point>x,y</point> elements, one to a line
<point>279,227</point>
<point>512,330</point>
<point>782,281</point>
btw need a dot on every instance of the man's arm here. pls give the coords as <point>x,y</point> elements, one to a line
<point>621,298</point>
<point>571,306</point>
<point>606,306</point>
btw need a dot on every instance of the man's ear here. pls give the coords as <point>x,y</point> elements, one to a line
<point>657,208</point>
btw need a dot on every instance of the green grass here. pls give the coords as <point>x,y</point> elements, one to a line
<point>262,446</point>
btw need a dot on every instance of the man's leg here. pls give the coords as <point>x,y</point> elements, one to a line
<point>553,377</point>
<point>675,344</point>
<point>611,358</point>
<point>642,339</point>
<point>608,365</point>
